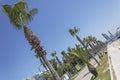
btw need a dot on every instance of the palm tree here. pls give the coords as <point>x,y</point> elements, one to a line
<point>67,66</point>
<point>81,53</point>
<point>93,40</point>
<point>69,49</point>
<point>100,43</point>
<point>89,41</point>
<point>60,67</point>
<point>53,54</point>
<point>63,53</point>
<point>74,32</point>
<point>19,15</point>
<point>95,44</point>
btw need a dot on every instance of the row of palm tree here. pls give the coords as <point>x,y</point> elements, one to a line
<point>68,64</point>
<point>89,41</point>
<point>20,15</point>
<point>71,60</point>
<point>74,32</point>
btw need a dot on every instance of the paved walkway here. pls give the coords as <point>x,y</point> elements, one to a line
<point>114,59</point>
<point>85,74</point>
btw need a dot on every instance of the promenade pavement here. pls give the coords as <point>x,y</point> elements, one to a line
<point>114,59</point>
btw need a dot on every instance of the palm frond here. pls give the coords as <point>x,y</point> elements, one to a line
<point>81,54</point>
<point>71,31</point>
<point>53,53</point>
<point>28,18</point>
<point>63,52</point>
<point>33,11</point>
<point>84,53</point>
<point>36,55</point>
<point>19,14</point>
<point>7,9</point>
<point>74,31</point>
<point>21,6</point>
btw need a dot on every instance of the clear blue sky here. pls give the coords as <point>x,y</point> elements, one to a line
<point>51,25</point>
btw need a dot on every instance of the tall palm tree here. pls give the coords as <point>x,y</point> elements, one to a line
<point>74,32</point>
<point>19,15</point>
<point>81,53</point>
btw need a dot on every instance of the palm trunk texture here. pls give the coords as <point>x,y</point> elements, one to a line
<point>43,63</point>
<point>35,43</point>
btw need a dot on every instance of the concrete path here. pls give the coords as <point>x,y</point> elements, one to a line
<point>114,59</point>
<point>85,74</point>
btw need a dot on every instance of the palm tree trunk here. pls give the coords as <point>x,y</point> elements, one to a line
<point>78,38</point>
<point>53,72</point>
<point>59,62</point>
<point>43,63</point>
<point>35,43</point>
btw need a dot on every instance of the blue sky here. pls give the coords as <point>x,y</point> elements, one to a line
<point>51,25</point>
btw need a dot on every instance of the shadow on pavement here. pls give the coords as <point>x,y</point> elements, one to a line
<point>86,74</point>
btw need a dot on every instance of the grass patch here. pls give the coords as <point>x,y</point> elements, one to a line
<point>103,71</point>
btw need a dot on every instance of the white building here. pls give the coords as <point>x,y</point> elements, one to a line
<point>38,76</point>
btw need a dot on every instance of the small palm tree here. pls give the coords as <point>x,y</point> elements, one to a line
<point>53,54</point>
<point>19,15</point>
<point>81,53</point>
<point>63,53</point>
<point>87,42</point>
<point>74,32</point>
<point>92,40</point>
